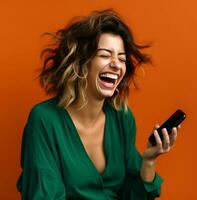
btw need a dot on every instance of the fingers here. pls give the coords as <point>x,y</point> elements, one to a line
<point>179,126</point>
<point>167,141</point>
<point>158,141</point>
<point>157,137</point>
<point>163,143</point>
<point>173,136</point>
<point>156,126</point>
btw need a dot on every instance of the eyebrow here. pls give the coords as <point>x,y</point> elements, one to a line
<point>108,50</point>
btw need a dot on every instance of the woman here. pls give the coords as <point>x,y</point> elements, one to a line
<point>80,144</point>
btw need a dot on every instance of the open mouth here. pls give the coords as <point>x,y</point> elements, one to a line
<point>108,78</point>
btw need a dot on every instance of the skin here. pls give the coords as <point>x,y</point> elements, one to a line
<point>90,120</point>
<point>110,57</point>
<point>152,152</point>
<point>111,60</point>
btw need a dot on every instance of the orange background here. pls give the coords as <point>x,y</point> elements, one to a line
<point>170,84</point>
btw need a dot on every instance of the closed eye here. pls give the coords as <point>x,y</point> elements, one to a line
<point>104,56</point>
<point>122,60</point>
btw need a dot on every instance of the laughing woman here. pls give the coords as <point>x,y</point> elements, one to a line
<point>80,144</point>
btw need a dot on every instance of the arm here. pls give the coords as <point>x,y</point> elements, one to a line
<point>40,177</point>
<point>152,152</point>
<point>141,180</point>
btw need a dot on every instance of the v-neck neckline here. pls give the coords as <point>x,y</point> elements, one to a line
<point>83,150</point>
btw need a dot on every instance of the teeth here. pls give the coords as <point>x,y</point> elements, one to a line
<point>112,76</point>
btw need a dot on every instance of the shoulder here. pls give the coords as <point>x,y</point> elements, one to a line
<point>125,115</point>
<point>44,110</point>
<point>42,120</point>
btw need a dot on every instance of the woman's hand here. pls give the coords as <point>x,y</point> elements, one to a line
<point>152,152</point>
<point>147,171</point>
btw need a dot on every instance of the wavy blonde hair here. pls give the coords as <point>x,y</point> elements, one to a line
<point>65,67</point>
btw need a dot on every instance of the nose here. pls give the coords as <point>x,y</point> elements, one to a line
<point>115,63</point>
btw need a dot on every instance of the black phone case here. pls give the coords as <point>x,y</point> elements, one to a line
<point>173,121</point>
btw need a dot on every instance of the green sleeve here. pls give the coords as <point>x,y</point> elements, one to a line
<point>40,177</point>
<point>134,187</point>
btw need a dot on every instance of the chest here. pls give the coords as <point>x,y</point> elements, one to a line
<point>92,139</point>
<point>91,158</point>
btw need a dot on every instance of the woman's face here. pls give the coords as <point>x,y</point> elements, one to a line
<point>108,66</point>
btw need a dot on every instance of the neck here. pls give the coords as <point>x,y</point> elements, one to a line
<point>87,114</point>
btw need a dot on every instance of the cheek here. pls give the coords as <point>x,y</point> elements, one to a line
<point>96,68</point>
<point>92,70</point>
<point>123,71</point>
<point>100,63</point>
<point>123,74</point>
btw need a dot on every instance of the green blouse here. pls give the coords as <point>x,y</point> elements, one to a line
<point>55,165</point>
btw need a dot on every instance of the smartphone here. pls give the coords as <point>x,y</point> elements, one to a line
<point>174,120</point>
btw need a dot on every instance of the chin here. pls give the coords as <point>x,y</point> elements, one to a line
<point>106,94</point>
